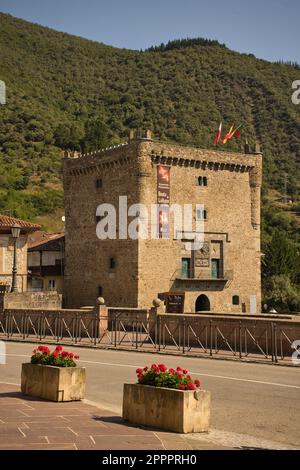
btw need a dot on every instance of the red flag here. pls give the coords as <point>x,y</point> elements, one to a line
<point>218,136</point>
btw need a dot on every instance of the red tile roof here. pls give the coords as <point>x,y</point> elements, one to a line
<point>7,222</point>
<point>39,238</point>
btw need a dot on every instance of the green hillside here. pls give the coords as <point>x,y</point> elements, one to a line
<point>67,92</point>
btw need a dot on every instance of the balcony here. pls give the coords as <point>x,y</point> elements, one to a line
<point>225,277</point>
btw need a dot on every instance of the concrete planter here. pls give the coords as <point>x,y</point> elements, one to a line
<point>53,383</point>
<point>173,410</point>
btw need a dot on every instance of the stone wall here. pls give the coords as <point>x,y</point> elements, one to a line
<point>31,300</point>
<point>87,259</point>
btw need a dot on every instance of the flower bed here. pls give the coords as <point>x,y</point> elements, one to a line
<point>59,357</point>
<point>160,376</point>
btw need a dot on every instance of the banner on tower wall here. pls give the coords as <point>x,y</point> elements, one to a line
<point>163,200</point>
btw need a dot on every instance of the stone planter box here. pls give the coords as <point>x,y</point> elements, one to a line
<point>173,410</point>
<point>53,383</point>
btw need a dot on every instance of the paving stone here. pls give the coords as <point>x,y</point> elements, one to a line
<point>76,425</point>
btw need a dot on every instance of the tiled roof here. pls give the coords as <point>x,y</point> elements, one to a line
<point>7,222</point>
<point>39,238</point>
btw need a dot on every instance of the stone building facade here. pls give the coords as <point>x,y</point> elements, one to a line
<point>7,251</point>
<point>223,275</point>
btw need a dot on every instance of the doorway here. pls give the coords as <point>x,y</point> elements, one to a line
<point>202,304</point>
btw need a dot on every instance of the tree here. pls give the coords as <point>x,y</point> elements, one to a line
<point>97,135</point>
<point>281,257</point>
<point>282,294</point>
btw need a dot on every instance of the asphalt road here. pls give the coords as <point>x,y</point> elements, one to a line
<point>253,405</point>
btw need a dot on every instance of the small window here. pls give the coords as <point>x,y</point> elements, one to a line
<point>235,300</point>
<point>202,181</point>
<point>100,291</point>
<point>51,284</point>
<point>99,183</point>
<point>112,263</point>
<point>201,214</point>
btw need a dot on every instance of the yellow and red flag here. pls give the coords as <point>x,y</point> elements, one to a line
<point>218,136</point>
<point>232,133</point>
<point>228,135</point>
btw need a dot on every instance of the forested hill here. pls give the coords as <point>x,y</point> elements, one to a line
<point>67,92</point>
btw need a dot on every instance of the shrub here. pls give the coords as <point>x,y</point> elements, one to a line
<point>160,376</point>
<point>59,357</point>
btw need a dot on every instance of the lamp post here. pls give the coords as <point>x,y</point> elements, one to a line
<point>15,231</point>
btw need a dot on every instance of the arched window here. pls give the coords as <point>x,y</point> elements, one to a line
<point>204,181</point>
<point>235,300</point>
<point>200,181</point>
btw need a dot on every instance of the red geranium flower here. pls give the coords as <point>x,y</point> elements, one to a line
<point>171,371</point>
<point>76,357</point>
<point>182,387</point>
<point>185,371</point>
<point>139,371</point>
<point>178,369</point>
<point>197,383</point>
<point>58,348</point>
<point>191,386</point>
<point>162,367</point>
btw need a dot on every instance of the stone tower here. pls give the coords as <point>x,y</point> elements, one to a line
<point>223,276</point>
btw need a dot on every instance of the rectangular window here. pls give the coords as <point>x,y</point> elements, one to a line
<point>215,268</point>
<point>51,284</point>
<point>185,268</point>
<point>201,214</point>
<point>201,181</point>
<point>112,263</point>
<point>99,183</point>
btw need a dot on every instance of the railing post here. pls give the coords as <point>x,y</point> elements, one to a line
<point>272,341</point>
<point>101,319</point>
<point>275,342</point>
<point>136,333</point>
<point>23,326</point>
<point>184,335</point>
<point>159,332</point>
<point>240,339</point>
<point>210,337</point>
<point>57,327</point>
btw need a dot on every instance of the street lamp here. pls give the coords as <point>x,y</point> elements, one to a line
<point>15,231</point>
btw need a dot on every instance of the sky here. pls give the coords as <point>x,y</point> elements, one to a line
<point>269,29</point>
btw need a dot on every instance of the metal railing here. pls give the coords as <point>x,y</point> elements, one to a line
<point>267,341</point>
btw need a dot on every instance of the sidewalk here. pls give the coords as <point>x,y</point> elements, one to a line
<point>35,424</point>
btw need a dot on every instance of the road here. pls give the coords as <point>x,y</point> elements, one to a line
<point>253,405</point>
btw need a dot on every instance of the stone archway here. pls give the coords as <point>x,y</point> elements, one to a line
<point>202,304</point>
